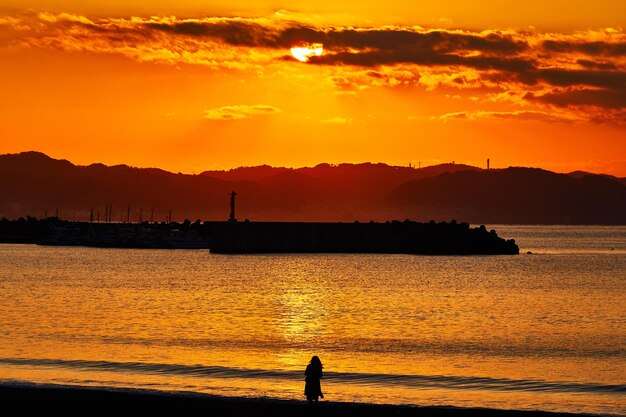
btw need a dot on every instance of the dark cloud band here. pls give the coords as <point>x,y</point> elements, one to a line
<point>569,70</point>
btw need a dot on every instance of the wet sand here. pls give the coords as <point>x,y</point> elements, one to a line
<point>45,399</point>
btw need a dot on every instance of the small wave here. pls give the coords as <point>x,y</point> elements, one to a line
<point>421,381</point>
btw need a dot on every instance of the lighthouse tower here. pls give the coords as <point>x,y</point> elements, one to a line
<point>232,207</point>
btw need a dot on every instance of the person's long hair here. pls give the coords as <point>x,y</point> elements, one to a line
<point>315,361</point>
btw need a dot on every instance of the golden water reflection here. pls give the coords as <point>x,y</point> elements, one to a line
<point>555,317</point>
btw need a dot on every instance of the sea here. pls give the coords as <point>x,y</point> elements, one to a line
<point>542,330</point>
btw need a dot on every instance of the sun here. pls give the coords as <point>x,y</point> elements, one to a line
<point>304,52</point>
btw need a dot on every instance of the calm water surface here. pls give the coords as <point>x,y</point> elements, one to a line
<point>542,331</point>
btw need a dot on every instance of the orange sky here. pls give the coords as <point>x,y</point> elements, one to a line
<point>207,84</point>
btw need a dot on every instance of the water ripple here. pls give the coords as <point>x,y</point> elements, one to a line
<point>421,381</point>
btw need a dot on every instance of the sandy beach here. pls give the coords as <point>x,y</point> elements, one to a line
<point>87,400</point>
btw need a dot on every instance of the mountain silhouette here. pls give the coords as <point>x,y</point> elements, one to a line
<point>31,183</point>
<point>580,174</point>
<point>516,195</point>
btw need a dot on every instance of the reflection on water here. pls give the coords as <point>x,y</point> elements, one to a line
<point>540,331</point>
<point>301,307</point>
<point>300,313</point>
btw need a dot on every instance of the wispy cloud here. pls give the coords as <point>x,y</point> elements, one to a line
<point>336,121</point>
<point>518,115</point>
<point>239,112</point>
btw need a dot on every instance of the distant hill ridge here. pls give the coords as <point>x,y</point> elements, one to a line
<point>32,183</point>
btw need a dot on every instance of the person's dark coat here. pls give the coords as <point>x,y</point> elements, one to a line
<point>312,386</point>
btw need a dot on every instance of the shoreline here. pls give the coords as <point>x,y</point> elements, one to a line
<point>69,399</point>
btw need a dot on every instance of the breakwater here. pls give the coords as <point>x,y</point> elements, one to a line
<point>407,237</point>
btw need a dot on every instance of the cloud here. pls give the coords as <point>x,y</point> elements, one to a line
<point>596,48</point>
<point>336,121</point>
<point>596,64</point>
<point>239,112</point>
<point>10,21</point>
<point>554,70</point>
<point>512,115</point>
<point>63,17</point>
<point>236,32</point>
<point>462,115</point>
<point>397,38</point>
<point>608,100</point>
<point>615,80</point>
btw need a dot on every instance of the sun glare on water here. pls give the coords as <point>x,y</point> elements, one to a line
<point>303,53</point>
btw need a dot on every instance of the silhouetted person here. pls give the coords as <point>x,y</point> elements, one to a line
<point>313,374</point>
